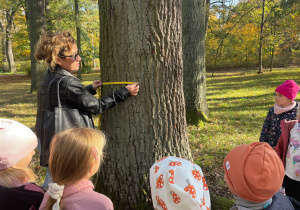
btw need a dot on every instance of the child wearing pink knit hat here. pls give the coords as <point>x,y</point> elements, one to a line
<point>254,174</point>
<point>17,145</point>
<point>285,108</point>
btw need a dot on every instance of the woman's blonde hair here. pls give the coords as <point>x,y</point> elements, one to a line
<point>52,45</point>
<point>14,175</point>
<point>72,153</point>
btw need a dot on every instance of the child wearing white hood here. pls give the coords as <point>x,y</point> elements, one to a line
<point>177,183</point>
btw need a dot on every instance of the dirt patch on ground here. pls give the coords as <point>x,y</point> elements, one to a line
<point>14,77</point>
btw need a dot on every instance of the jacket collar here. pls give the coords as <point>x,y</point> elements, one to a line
<point>242,204</point>
<point>81,185</point>
<point>60,71</point>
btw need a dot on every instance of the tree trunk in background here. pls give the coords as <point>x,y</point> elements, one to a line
<point>272,57</point>
<point>8,44</point>
<point>48,21</point>
<point>3,48</point>
<point>206,16</point>
<point>36,20</point>
<point>261,36</point>
<point>3,53</point>
<point>78,33</point>
<point>194,73</point>
<point>141,41</point>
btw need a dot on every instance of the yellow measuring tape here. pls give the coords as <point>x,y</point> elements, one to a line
<point>110,83</point>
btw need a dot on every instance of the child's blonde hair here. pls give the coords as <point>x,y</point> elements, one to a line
<point>15,174</point>
<point>72,153</point>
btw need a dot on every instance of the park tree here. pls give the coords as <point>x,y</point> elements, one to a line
<point>2,27</point>
<point>36,22</point>
<point>9,8</point>
<point>77,20</point>
<point>141,41</point>
<point>81,18</point>
<point>261,36</point>
<point>48,21</point>
<point>194,17</point>
<point>224,42</point>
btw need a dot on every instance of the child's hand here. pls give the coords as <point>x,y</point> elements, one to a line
<point>133,89</point>
<point>96,84</point>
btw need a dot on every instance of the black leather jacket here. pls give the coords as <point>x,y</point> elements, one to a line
<point>73,96</point>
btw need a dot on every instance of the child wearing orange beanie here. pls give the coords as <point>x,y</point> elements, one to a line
<point>254,174</point>
<point>285,108</point>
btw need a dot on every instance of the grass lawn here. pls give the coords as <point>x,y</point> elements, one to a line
<point>238,102</point>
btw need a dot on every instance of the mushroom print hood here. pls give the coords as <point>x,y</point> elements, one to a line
<point>177,183</point>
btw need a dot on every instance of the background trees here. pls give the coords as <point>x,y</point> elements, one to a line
<point>9,10</point>
<point>59,16</point>
<point>232,38</point>
<point>234,33</point>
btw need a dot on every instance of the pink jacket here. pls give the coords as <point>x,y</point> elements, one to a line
<point>283,142</point>
<point>81,196</point>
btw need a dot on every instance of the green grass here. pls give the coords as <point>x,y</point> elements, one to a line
<point>238,102</point>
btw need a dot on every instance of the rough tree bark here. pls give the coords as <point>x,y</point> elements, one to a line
<point>36,20</point>
<point>194,73</point>
<point>141,41</point>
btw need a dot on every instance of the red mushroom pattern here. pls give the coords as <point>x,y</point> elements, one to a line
<point>190,189</point>
<point>175,163</point>
<point>176,198</point>
<point>171,178</point>
<point>161,203</point>
<point>196,174</point>
<point>205,187</point>
<point>160,181</point>
<point>161,159</point>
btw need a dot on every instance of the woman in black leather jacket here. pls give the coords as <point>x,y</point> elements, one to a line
<point>60,52</point>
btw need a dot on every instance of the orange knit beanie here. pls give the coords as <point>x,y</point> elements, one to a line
<point>253,171</point>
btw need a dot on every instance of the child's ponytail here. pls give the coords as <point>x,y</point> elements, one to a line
<point>72,152</point>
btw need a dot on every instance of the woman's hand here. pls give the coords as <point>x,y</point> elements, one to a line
<point>133,89</point>
<point>96,84</point>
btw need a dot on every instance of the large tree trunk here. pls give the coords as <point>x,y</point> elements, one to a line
<point>141,41</point>
<point>8,44</point>
<point>262,24</point>
<point>36,21</point>
<point>194,79</point>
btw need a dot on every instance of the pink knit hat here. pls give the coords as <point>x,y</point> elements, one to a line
<point>253,171</point>
<point>16,142</point>
<point>288,89</point>
<point>177,183</point>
